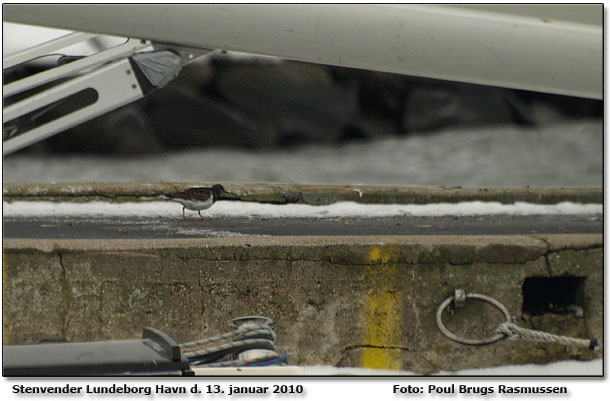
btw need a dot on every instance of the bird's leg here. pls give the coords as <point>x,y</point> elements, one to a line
<point>201,217</point>
<point>183,215</point>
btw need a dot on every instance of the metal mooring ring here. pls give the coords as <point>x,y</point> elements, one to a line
<point>468,341</point>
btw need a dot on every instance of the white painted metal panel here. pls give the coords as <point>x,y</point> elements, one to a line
<point>515,49</point>
<point>48,47</point>
<point>125,89</point>
<point>124,50</point>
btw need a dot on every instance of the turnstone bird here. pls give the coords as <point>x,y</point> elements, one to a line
<point>197,198</point>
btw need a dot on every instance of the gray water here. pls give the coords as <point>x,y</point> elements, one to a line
<point>566,154</point>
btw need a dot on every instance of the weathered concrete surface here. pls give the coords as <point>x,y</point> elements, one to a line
<point>342,301</point>
<point>172,225</point>
<point>307,194</point>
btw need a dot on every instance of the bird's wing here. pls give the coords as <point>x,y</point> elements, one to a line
<point>200,194</point>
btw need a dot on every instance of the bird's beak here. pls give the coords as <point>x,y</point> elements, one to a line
<point>227,195</point>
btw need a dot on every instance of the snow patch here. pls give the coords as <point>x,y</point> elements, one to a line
<point>252,209</point>
<point>569,368</point>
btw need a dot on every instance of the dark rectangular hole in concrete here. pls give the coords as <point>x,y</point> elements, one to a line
<point>563,295</point>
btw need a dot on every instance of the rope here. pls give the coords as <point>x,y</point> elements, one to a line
<point>252,330</point>
<point>222,350</point>
<point>265,361</point>
<point>232,347</point>
<point>514,332</point>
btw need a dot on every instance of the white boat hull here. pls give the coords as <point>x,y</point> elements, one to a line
<point>555,51</point>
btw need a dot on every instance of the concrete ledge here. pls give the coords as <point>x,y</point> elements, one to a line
<point>307,194</point>
<point>341,301</point>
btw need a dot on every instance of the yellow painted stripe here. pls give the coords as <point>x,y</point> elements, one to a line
<point>382,316</point>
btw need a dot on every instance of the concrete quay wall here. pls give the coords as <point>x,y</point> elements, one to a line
<point>366,301</point>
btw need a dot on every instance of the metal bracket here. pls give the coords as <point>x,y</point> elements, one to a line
<point>107,97</point>
<point>92,86</point>
<point>131,46</point>
<point>459,298</point>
